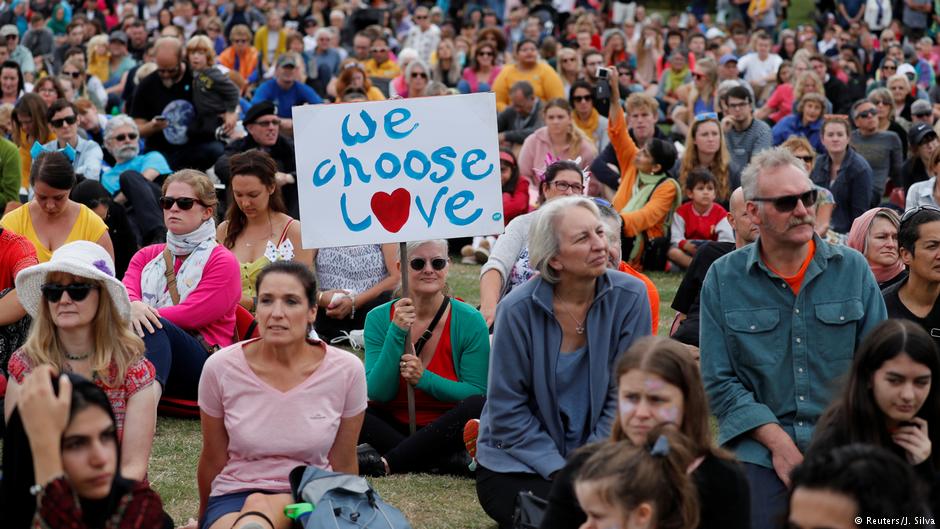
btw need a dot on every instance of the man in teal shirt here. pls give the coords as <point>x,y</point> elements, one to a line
<point>780,321</point>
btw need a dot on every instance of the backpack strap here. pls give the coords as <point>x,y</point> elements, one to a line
<point>170,275</point>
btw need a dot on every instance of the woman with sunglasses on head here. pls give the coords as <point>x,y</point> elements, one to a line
<point>274,403</point>
<point>63,461</point>
<point>482,71</point>
<point>585,116</point>
<point>80,314</point>
<point>257,228</point>
<point>184,293</point>
<point>844,172</point>
<point>51,219</point>
<point>659,384</point>
<point>528,67</point>
<point>889,400</point>
<point>447,369</point>
<point>559,139</point>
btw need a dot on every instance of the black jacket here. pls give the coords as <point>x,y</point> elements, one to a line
<point>508,117</point>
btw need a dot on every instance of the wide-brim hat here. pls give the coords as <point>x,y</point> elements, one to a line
<point>80,258</point>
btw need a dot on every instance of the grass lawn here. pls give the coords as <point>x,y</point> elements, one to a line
<point>429,502</point>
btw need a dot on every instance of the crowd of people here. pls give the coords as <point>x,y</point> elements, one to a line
<point>151,252</point>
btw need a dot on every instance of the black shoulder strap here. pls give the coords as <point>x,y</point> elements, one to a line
<point>430,330</point>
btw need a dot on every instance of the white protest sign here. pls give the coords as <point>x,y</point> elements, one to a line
<point>400,170</point>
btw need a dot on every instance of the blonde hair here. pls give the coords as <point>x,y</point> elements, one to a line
<point>564,53</point>
<point>799,86</point>
<point>574,137</point>
<point>719,165</point>
<point>240,31</point>
<point>201,184</point>
<point>201,43</point>
<point>94,42</point>
<point>115,344</point>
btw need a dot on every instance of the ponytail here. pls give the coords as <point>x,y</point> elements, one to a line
<point>655,473</point>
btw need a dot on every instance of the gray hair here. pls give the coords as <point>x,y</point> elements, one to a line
<point>544,244</point>
<point>882,94</point>
<point>417,62</point>
<point>436,88</point>
<point>323,31</point>
<point>525,87</point>
<point>899,78</point>
<point>767,160</point>
<point>116,122</point>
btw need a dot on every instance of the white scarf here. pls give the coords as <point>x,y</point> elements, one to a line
<point>198,245</point>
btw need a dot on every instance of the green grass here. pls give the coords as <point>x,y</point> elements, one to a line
<point>429,502</point>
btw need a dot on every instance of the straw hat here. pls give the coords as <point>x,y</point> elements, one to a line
<point>80,258</point>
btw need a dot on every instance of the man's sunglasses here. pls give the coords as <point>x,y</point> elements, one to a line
<point>185,203</point>
<point>129,136</point>
<point>866,113</point>
<point>787,203</point>
<point>417,264</point>
<point>77,291</point>
<point>578,99</point>
<point>58,123</point>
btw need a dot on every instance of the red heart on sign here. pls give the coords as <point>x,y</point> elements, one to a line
<point>392,210</point>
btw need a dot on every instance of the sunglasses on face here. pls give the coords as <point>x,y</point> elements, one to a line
<point>77,291</point>
<point>578,99</point>
<point>922,115</point>
<point>438,263</point>
<point>889,67</point>
<point>58,123</point>
<point>883,103</point>
<point>415,75</point>
<point>73,75</point>
<point>184,203</point>
<point>787,203</point>
<point>698,75</point>
<point>129,136</point>
<point>419,17</point>
<point>268,123</point>
<point>807,159</point>
<point>866,113</point>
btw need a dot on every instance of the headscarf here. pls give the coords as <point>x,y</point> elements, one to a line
<point>858,240</point>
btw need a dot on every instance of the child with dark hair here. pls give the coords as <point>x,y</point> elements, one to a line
<point>699,219</point>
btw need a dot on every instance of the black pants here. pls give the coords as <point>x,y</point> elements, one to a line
<point>497,492</point>
<point>195,155</point>
<point>429,447</point>
<point>142,196</point>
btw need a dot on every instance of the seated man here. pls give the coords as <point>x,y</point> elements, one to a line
<point>133,179</point>
<point>85,154</point>
<point>286,92</point>
<point>523,115</point>
<point>262,123</point>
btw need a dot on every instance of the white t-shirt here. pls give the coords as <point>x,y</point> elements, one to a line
<point>271,432</point>
<point>755,69</point>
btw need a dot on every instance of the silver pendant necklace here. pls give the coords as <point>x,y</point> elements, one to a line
<point>579,328</point>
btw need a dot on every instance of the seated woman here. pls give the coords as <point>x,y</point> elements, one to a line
<point>659,383</point>
<point>844,172</point>
<point>184,292</point>
<point>354,280</point>
<point>62,447</point>
<point>16,254</point>
<point>875,235</point>
<point>243,469</point>
<point>80,325</point>
<point>551,388</point>
<point>508,263</point>
<point>447,367</point>
<point>559,139</point>
<point>806,121</point>
<point>889,400</point>
<point>51,219</point>
<point>257,228</point>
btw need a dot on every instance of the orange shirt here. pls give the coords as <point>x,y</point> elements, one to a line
<point>651,292</point>
<point>796,281</point>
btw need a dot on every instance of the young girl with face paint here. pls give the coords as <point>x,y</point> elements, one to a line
<point>659,383</point>
<point>640,486</point>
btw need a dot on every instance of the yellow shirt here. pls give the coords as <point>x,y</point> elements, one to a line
<point>88,227</point>
<point>387,70</point>
<point>544,80</point>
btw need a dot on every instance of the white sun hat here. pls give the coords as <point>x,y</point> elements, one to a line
<point>80,258</point>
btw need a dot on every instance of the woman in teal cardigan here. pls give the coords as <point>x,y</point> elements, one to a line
<point>448,372</point>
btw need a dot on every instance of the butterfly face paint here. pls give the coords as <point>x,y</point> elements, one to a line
<point>645,401</point>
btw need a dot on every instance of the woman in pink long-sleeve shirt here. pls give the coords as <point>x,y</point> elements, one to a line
<point>181,325</point>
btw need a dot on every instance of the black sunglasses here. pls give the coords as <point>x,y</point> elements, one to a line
<point>807,158</point>
<point>58,123</point>
<point>578,99</point>
<point>911,213</point>
<point>74,75</point>
<point>185,203</point>
<point>129,136</point>
<point>415,75</point>
<point>438,263</point>
<point>867,113</point>
<point>787,203</point>
<point>77,291</point>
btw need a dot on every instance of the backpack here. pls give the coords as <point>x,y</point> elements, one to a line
<point>343,501</point>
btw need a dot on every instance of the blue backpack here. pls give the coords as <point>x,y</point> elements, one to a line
<point>343,501</point>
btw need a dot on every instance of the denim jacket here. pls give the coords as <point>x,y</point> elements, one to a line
<point>771,357</point>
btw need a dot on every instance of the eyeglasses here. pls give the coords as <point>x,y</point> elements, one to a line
<point>787,203</point>
<point>58,123</point>
<point>866,113</point>
<point>706,116</point>
<point>77,291</point>
<point>911,213</point>
<point>132,136</point>
<point>415,75</point>
<point>578,99</point>
<point>168,71</point>
<point>185,203</point>
<point>742,104</point>
<point>268,123</point>
<point>73,75</point>
<point>417,264</point>
<point>565,186</point>
<point>491,54</point>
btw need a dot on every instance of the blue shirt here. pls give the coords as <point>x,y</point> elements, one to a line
<point>771,357</point>
<point>88,157</point>
<point>571,379</point>
<point>297,94</point>
<point>140,163</point>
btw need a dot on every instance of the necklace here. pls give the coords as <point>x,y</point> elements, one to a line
<point>265,238</point>
<point>77,358</point>
<point>579,328</point>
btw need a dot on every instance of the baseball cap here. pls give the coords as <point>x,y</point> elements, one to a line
<point>919,132</point>
<point>726,58</point>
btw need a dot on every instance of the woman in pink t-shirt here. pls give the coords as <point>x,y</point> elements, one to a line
<point>274,403</point>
